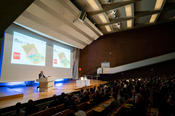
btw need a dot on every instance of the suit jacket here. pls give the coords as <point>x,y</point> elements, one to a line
<point>41,75</point>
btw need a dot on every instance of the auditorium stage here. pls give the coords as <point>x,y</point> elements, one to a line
<point>10,96</point>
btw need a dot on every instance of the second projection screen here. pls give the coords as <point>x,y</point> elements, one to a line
<point>61,57</point>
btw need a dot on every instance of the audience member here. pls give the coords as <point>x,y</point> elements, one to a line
<point>30,108</point>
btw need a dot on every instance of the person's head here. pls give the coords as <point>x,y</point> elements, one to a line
<point>41,72</point>
<point>62,94</point>
<point>18,106</point>
<point>55,97</point>
<point>30,103</point>
<point>138,98</point>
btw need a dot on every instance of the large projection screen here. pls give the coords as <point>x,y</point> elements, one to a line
<point>28,50</point>
<point>25,57</point>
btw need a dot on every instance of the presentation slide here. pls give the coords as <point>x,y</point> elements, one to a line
<point>28,50</point>
<point>61,57</point>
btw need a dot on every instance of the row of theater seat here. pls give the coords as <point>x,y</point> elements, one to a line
<point>59,110</point>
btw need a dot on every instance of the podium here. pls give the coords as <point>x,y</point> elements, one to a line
<point>46,84</point>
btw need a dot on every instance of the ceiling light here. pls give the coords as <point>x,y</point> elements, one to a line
<point>153,18</point>
<point>102,18</point>
<point>129,23</point>
<point>158,4</point>
<point>93,4</point>
<point>108,29</point>
<point>128,10</point>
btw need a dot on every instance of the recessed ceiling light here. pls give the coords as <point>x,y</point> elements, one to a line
<point>158,4</point>
<point>129,23</point>
<point>93,4</point>
<point>102,18</point>
<point>128,10</point>
<point>153,18</point>
<point>108,29</point>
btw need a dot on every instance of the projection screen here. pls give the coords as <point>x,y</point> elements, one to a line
<point>28,50</point>
<point>61,57</point>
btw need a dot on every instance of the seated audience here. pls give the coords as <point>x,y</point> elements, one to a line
<point>154,92</point>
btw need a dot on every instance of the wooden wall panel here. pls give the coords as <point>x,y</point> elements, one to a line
<point>128,46</point>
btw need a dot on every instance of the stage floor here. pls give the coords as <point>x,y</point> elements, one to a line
<point>34,94</point>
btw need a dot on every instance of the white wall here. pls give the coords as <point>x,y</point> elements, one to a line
<point>18,72</point>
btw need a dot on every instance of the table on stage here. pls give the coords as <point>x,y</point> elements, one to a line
<point>82,83</point>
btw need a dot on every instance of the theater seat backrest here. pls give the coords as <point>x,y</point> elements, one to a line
<point>64,113</point>
<point>59,108</point>
<point>90,113</point>
<point>47,112</point>
<point>82,106</point>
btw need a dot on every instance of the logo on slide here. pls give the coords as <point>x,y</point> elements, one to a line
<point>16,55</point>
<point>55,61</point>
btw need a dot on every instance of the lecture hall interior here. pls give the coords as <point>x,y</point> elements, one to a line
<point>87,58</point>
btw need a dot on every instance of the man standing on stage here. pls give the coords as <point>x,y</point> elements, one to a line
<point>41,75</point>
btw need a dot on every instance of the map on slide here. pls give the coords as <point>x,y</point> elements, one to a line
<point>32,53</point>
<point>63,60</point>
<point>28,50</point>
<point>61,57</point>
